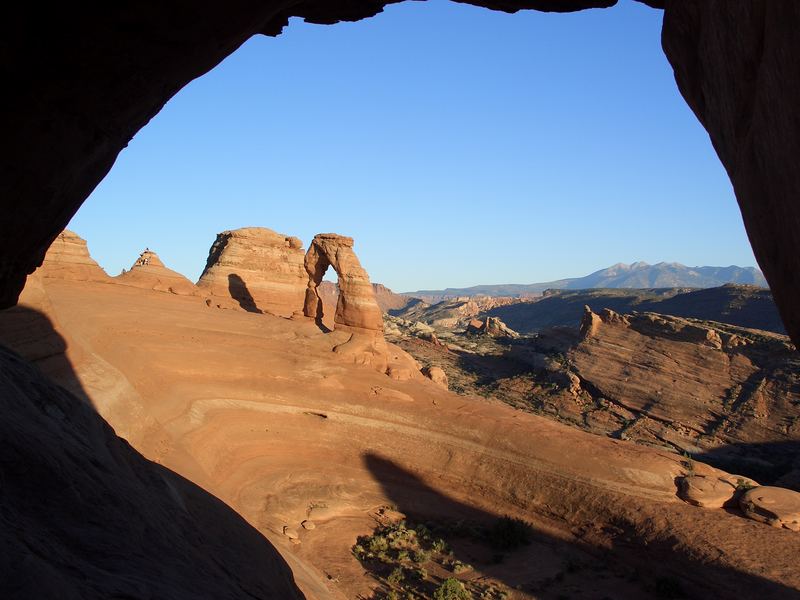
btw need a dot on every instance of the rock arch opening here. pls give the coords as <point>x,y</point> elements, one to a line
<point>356,307</point>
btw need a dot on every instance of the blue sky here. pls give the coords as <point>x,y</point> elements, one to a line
<point>457,145</point>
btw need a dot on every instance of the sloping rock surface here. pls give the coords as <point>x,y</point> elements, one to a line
<point>85,516</point>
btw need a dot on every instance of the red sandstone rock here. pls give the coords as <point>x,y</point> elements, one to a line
<point>260,269</point>
<point>68,258</point>
<point>356,307</point>
<point>149,272</point>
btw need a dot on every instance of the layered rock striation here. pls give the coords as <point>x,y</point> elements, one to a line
<point>356,307</point>
<point>263,271</point>
<point>68,258</point>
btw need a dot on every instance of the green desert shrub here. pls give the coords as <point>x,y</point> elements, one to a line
<point>396,577</point>
<point>451,589</point>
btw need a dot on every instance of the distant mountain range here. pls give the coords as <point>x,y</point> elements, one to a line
<point>636,275</point>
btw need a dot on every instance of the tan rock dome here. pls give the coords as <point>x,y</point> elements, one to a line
<point>149,272</point>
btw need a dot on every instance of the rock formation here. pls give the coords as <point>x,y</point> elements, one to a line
<point>258,268</point>
<point>775,506</point>
<point>68,258</point>
<point>436,375</point>
<point>85,516</point>
<point>387,299</point>
<point>149,272</point>
<point>490,326</point>
<point>356,308</point>
<point>696,384</point>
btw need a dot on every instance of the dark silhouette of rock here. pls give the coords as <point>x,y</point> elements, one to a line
<point>84,516</point>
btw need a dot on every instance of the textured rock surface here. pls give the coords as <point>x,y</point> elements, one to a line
<point>699,385</point>
<point>436,375</point>
<point>262,414</point>
<point>387,299</point>
<point>68,258</point>
<point>85,516</point>
<point>149,272</point>
<point>708,492</point>
<point>356,307</point>
<point>775,506</point>
<point>260,269</point>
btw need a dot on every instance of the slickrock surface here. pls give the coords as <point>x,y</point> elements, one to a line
<point>149,272</point>
<point>687,380</point>
<point>68,258</point>
<point>260,269</point>
<point>258,411</point>
<point>84,516</point>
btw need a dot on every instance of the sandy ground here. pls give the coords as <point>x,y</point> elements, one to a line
<point>259,411</point>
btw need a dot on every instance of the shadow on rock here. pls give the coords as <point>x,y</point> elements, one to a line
<point>769,463</point>
<point>237,287</point>
<point>506,554</point>
<point>83,515</point>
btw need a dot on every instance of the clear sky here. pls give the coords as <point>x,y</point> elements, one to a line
<point>457,145</point>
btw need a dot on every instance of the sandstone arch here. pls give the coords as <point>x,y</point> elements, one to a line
<point>356,308</point>
<point>87,81</point>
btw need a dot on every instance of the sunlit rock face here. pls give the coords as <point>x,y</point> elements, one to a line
<point>356,307</point>
<point>68,258</point>
<point>148,272</point>
<point>260,269</point>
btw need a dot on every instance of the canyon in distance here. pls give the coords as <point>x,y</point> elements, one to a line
<point>345,441</point>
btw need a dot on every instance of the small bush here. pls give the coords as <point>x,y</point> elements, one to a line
<point>460,567</point>
<point>421,556</point>
<point>377,544</point>
<point>396,577</point>
<point>451,589</point>
<point>509,533</point>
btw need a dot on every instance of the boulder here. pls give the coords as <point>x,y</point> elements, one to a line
<point>775,506</point>
<point>436,375</point>
<point>706,491</point>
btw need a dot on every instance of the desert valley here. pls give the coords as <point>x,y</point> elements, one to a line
<point>389,448</point>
